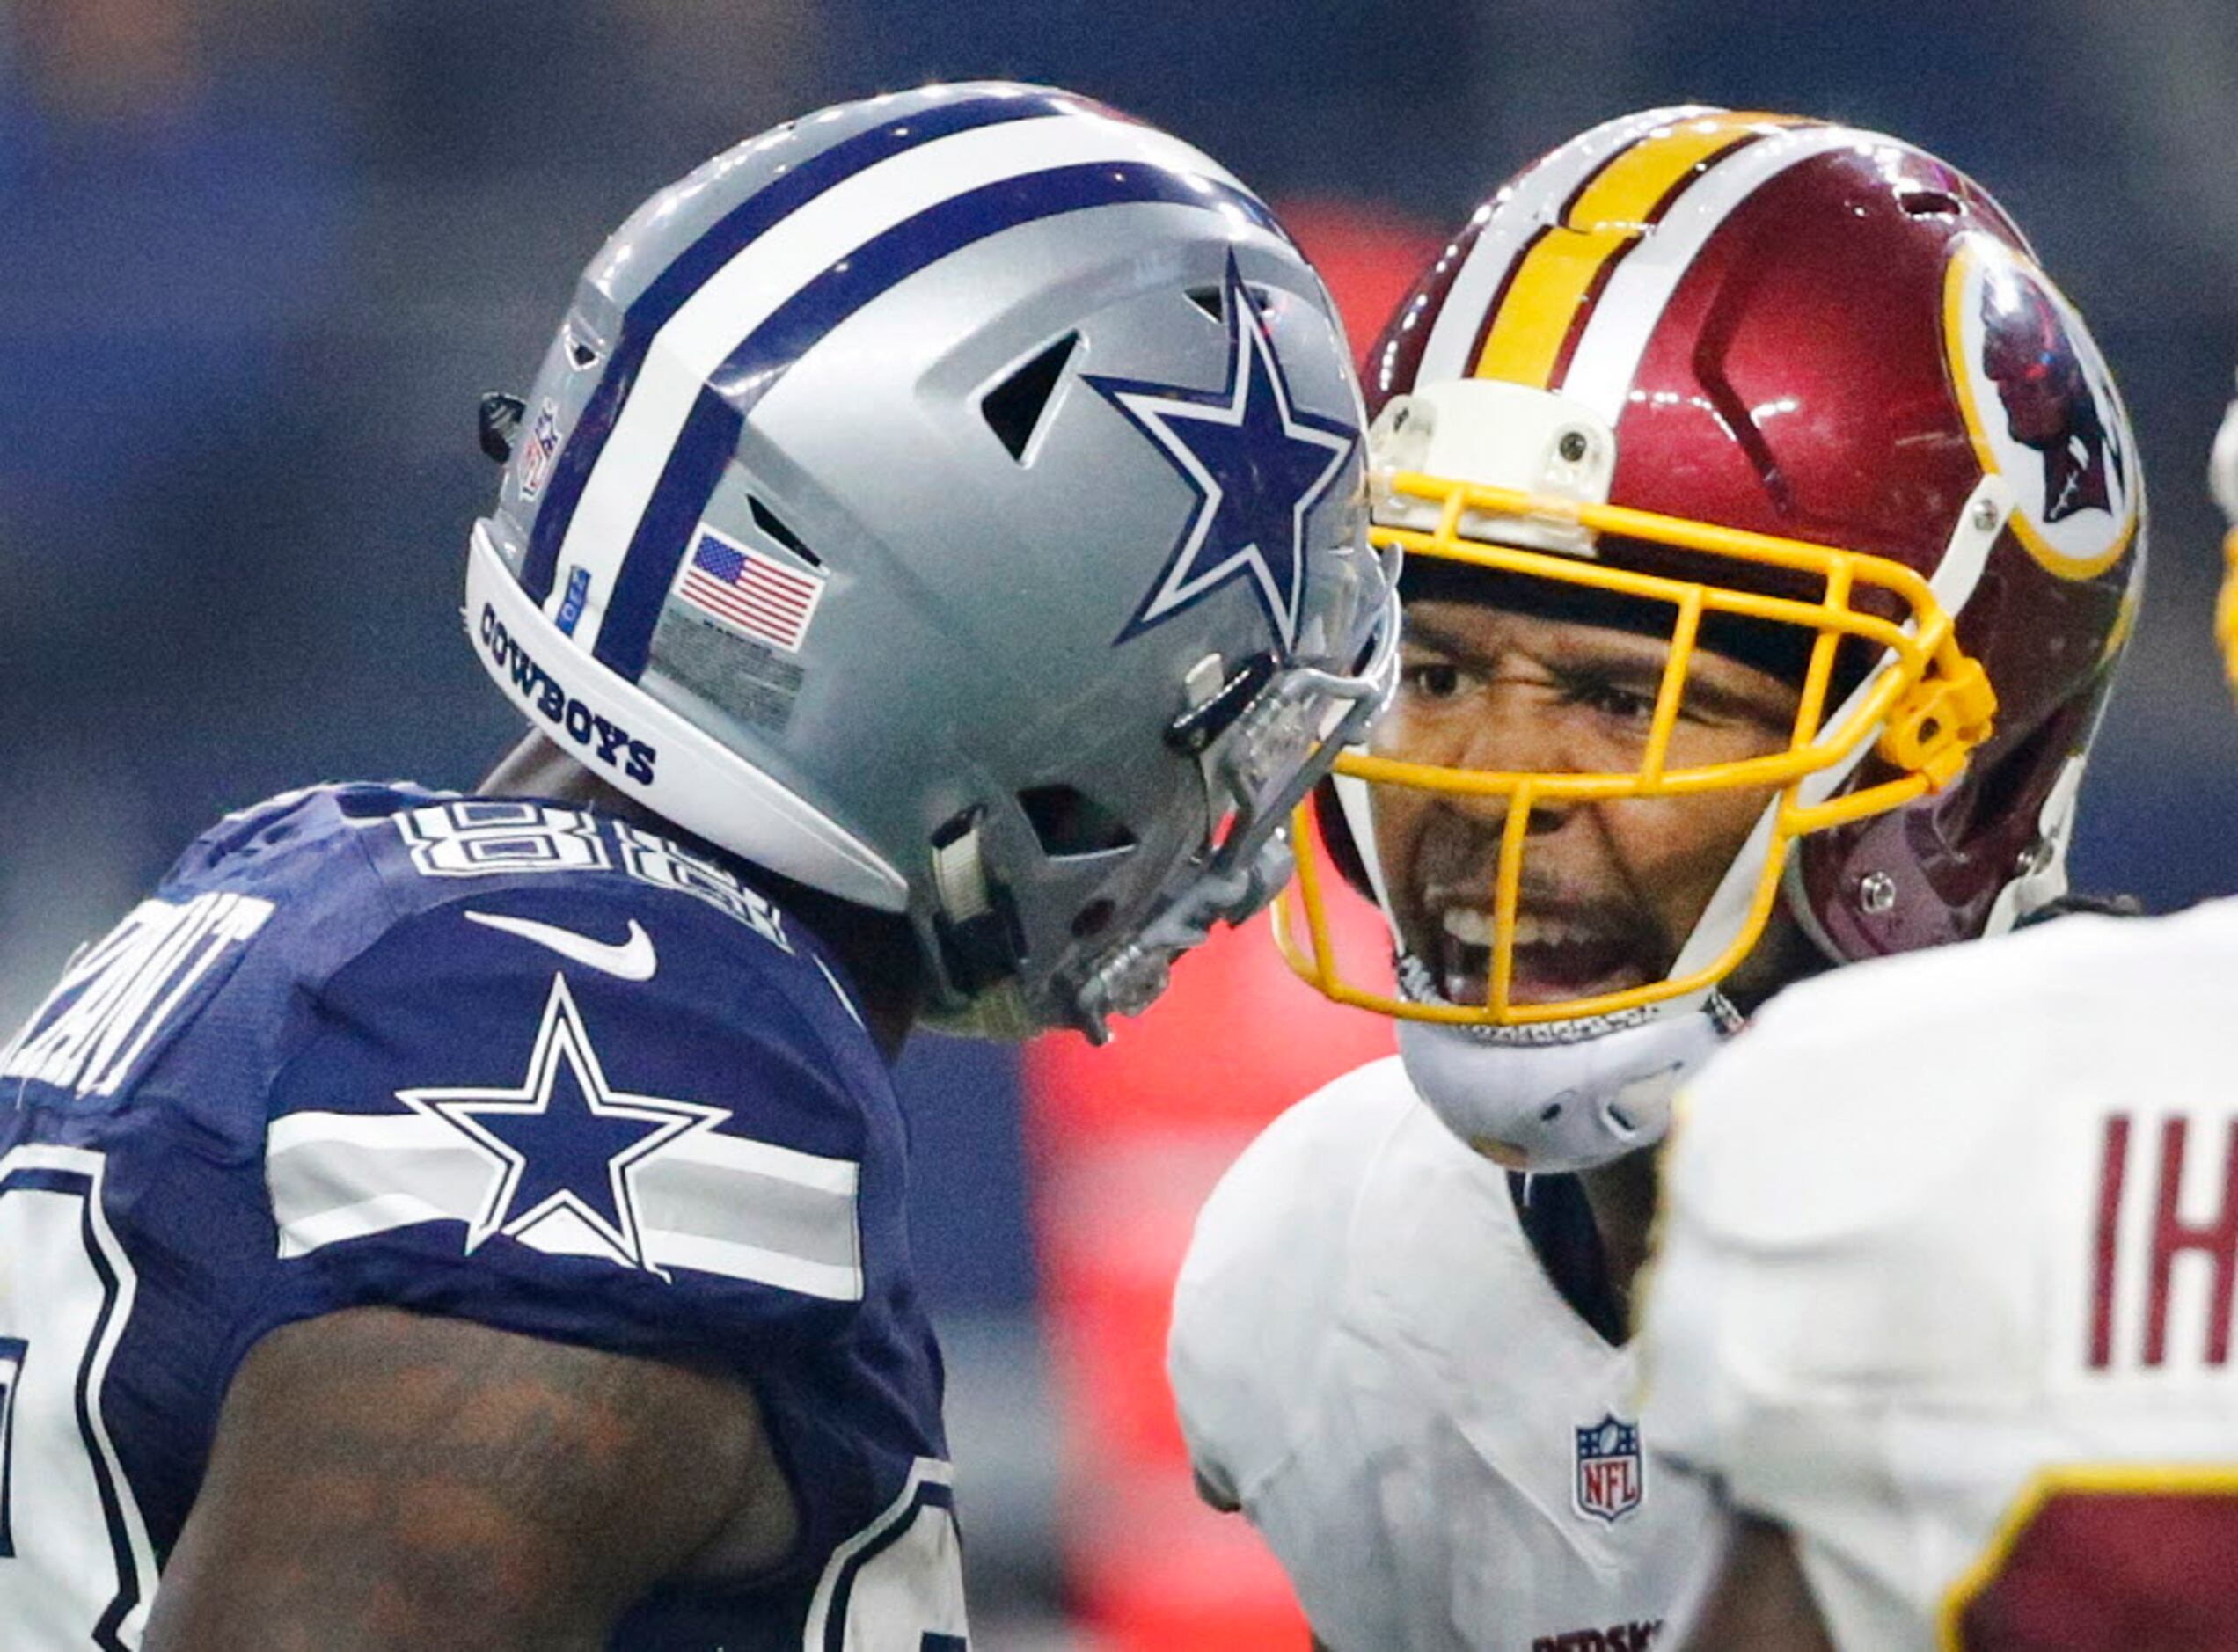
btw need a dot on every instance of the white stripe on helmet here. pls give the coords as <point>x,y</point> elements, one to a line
<point>1617,333</point>
<point>1535,199</point>
<point>777,264</point>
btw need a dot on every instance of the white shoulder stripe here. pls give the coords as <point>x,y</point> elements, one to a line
<point>714,1203</point>
<point>832,1282</point>
<point>315,1226</point>
<point>741,1156</point>
<point>777,264</point>
<point>387,1132</point>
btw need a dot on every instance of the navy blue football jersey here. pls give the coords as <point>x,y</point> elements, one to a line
<point>503,1060</point>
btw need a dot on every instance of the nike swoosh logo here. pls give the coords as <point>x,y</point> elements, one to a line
<point>631,960</point>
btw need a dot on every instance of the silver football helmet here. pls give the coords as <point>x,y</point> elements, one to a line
<point>952,501</point>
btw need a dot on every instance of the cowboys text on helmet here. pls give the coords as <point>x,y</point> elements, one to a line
<point>952,501</point>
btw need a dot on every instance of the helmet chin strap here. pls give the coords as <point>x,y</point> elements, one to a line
<point>1559,1096</point>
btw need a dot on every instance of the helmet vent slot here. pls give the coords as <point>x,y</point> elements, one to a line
<point>1209,300</point>
<point>1071,824</point>
<point>1014,408</point>
<point>767,521</point>
<point>1928,203</point>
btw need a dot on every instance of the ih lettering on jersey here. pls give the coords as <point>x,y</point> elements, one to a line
<point>119,995</point>
<point>2164,1253</point>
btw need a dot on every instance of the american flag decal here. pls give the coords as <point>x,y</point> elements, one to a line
<point>770,601</point>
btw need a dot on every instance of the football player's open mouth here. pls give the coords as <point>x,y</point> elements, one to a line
<point>1567,952</point>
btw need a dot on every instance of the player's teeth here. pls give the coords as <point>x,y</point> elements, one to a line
<point>1468,926</point>
<point>1474,928</point>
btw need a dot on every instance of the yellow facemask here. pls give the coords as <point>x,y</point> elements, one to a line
<point>2225,619</point>
<point>1925,707</point>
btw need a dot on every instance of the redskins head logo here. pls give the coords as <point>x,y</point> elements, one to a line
<point>2041,408</point>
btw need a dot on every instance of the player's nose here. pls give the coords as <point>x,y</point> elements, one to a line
<point>1503,752</point>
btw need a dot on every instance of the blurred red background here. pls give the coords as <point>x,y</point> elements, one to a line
<point>1125,1144</point>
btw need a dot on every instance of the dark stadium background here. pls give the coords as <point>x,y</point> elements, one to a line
<point>258,258</point>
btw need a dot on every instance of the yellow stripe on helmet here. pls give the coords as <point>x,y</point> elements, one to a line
<point>1559,270</point>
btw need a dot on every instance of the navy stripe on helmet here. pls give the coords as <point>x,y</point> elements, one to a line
<point>710,434</point>
<point>668,293</point>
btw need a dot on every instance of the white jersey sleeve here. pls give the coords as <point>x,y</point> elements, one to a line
<point>1946,1250</point>
<point>1368,1359</point>
<point>1262,1284</point>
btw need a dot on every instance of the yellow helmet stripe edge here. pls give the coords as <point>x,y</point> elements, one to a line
<point>1561,271</point>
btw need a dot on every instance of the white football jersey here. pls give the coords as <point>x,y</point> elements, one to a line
<point>1945,1287</point>
<point>1371,1359</point>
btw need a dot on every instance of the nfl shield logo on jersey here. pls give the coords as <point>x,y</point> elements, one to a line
<point>1608,1469</point>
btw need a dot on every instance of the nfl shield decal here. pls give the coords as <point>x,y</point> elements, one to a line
<point>537,453</point>
<point>1609,1478</point>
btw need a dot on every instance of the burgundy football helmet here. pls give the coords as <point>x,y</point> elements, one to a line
<point>1801,393</point>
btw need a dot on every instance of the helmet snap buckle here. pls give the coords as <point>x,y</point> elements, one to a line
<point>497,421</point>
<point>1938,722</point>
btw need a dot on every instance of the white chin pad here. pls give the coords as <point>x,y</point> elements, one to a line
<point>1558,1106</point>
<point>1495,434</point>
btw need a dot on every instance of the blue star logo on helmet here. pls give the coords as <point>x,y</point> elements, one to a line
<point>1257,464</point>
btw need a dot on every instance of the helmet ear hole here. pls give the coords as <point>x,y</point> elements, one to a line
<point>2019,773</point>
<point>1069,824</point>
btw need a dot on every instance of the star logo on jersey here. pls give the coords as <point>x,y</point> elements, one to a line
<point>1256,463</point>
<point>567,1144</point>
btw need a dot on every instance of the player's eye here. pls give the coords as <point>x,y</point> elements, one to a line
<point>1432,679</point>
<point>1611,699</point>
